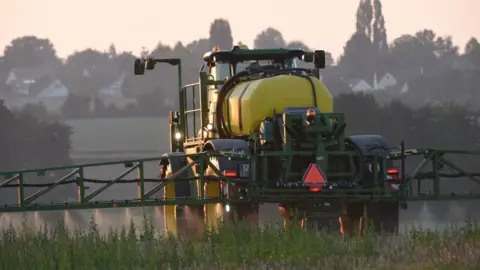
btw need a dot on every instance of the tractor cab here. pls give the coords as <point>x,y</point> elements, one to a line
<point>225,64</point>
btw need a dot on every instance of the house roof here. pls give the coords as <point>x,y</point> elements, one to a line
<point>30,73</point>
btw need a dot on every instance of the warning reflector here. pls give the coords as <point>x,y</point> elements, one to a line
<point>314,177</point>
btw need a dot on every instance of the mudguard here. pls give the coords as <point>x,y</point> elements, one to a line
<point>227,145</point>
<point>370,144</point>
<point>224,163</point>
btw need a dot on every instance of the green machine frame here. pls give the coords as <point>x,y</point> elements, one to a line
<point>258,189</point>
<point>258,184</point>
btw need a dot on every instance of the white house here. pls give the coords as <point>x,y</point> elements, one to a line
<point>115,89</point>
<point>386,81</point>
<point>22,78</point>
<point>113,95</point>
<point>404,88</point>
<point>54,90</point>
<point>359,85</point>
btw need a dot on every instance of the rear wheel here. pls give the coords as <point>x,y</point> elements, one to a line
<point>324,216</point>
<point>380,217</point>
<point>238,212</point>
<point>383,216</point>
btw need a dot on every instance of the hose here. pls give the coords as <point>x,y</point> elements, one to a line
<point>222,130</point>
<point>220,119</point>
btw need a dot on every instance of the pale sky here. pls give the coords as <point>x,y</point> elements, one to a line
<point>78,24</point>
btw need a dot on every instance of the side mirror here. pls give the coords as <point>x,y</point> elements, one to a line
<point>150,64</point>
<point>319,59</point>
<point>139,68</point>
<point>308,57</point>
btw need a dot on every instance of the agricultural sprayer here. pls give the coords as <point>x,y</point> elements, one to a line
<point>257,129</point>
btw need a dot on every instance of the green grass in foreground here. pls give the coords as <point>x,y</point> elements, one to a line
<point>237,248</point>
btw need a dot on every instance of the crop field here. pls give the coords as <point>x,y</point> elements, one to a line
<point>236,247</point>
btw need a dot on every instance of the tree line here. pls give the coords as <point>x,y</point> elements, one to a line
<point>439,109</point>
<point>430,64</point>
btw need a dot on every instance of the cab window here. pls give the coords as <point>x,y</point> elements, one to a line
<point>221,71</point>
<point>291,63</point>
<point>242,66</point>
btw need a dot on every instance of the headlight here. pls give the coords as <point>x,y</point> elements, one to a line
<point>209,126</point>
<point>178,136</point>
<point>227,208</point>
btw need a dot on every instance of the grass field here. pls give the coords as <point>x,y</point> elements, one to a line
<point>237,248</point>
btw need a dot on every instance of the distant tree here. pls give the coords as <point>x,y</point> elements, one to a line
<point>329,61</point>
<point>199,47</point>
<point>437,89</point>
<point>112,51</point>
<point>123,63</point>
<point>410,52</point>
<point>85,73</point>
<point>427,38</point>
<point>268,39</point>
<point>132,86</point>
<point>161,50</point>
<point>5,89</point>
<point>296,44</point>
<point>191,63</point>
<point>30,51</point>
<point>364,18</point>
<point>361,112</point>
<point>441,46</point>
<point>27,142</point>
<point>76,106</point>
<point>300,45</point>
<point>423,127</point>
<point>445,47</point>
<point>359,57</point>
<point>3,70</point>
<point>379,32</point>
<point>163,75</point>
<point>151,104</point>
<point>39,111</point>
<point>472,51</point>
<point>221,34</point>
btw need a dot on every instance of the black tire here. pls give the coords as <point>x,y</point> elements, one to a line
<point>370,144</point>
<point>325,218</point>
<point>384,216</point>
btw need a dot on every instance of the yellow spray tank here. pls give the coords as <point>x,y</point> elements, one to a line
<point>246,103</point>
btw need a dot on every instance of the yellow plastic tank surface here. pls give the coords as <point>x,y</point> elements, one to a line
<point>248,103</point>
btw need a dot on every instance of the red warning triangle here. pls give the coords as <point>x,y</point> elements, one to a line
<point>314,175</point>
